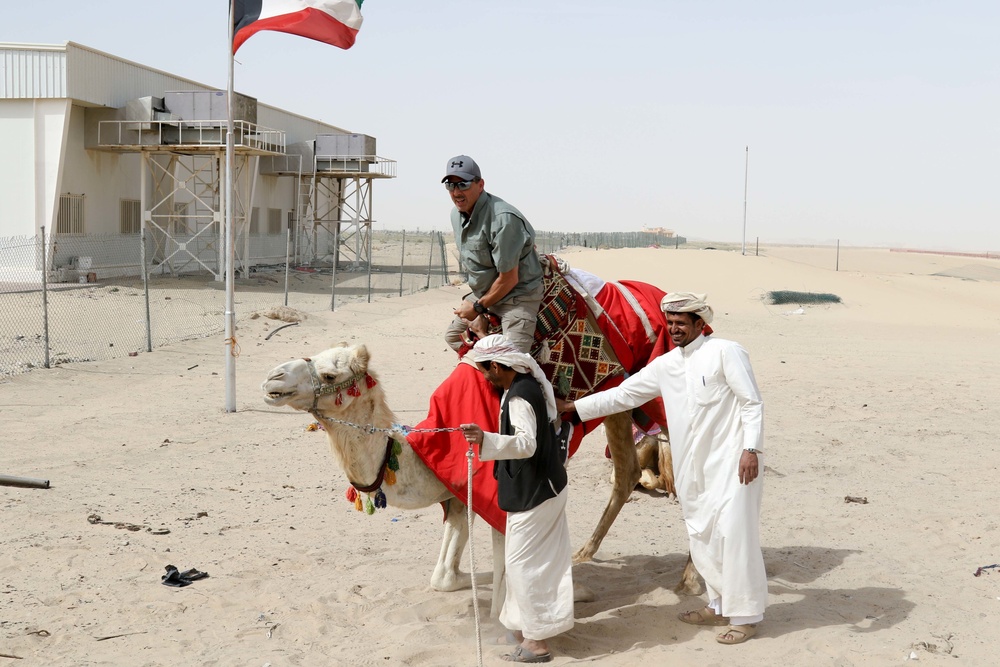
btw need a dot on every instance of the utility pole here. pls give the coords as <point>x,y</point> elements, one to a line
<point>746,170</point>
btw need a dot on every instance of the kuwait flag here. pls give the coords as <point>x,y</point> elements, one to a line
<point>331,21</point>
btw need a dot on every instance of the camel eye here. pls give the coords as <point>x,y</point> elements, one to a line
<point>329,378</point>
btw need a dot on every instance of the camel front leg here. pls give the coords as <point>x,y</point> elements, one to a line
<point>626,463</point>
<point>447,576</point>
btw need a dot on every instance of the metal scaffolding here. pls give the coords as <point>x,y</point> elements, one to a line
<point>182,201</point>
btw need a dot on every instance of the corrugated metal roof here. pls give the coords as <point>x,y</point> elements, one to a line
<point>91,77</point>
<point>107,80</point>
<point>32,70</point>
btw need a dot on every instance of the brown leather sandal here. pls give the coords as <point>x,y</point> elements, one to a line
<point>704,616</point>
<point>737,634</point>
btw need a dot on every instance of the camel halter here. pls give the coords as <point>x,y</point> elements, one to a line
<point>323,389</point>
<point>390,463</point>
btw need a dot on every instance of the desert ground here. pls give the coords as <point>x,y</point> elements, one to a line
<point>887,397</point>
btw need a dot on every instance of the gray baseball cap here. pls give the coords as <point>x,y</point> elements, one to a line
<point>464,167</point>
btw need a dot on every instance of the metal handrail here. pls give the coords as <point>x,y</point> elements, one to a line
<point>365,164</point>
<point>210,133</point>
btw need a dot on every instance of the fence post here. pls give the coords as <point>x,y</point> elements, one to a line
<point>369,249</point>
<point>402,263</point>
<point>145,287</point>
<point>45,295</point>
<point>444,259</point>
<point>430,261</point>
<point>288,259</point>
<point>336,254</point>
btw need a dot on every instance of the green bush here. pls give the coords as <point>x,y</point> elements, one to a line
<point>779,297</point>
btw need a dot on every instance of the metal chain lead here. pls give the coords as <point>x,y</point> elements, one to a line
<point>395,428</point>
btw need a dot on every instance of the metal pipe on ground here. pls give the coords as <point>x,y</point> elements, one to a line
<point>26,482</point>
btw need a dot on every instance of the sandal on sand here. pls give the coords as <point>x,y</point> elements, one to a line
<point>521,654</point>
<point>508,639</point>
<point>737,634</point>
<point>704,616</point>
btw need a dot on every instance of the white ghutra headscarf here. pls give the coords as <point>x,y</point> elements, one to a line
<point>687,302</point>
<point>498,348</point>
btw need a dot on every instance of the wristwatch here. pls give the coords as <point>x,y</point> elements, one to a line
<point>752,450</point>
<point>479,308</point>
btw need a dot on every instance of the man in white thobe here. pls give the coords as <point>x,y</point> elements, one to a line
<point>714,418</point>
<point>532,489</point>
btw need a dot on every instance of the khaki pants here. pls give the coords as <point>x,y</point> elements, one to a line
<point>517,318</point>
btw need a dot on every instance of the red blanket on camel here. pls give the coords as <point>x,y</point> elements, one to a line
<point>594,343</point>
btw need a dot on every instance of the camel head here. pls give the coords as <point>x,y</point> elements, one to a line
<point>327,382</point>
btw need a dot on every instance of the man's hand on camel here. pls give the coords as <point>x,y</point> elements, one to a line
<point>478,327</point>
<point>466,311</point>
<point>472,433</point>
<point>563,406</point>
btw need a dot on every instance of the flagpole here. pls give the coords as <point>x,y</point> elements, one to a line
<point>229,231</point>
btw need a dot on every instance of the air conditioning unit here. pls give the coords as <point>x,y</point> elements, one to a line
<point>344,152</point>
<point>194,105</point>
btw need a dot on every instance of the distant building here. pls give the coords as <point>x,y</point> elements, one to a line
<point>98,145</point>
<point>662,231</point>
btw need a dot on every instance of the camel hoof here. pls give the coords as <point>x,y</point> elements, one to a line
<point>687,587</point>
<point>457,582</point>
<point>649,481</point>
<point>583,556</point>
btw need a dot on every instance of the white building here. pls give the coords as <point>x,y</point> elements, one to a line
<point>96,145</point>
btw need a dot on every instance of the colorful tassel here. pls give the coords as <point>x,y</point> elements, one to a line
<point>369,506</point>
<point>397,448</point>
<point>370,381</point>
<point>390,477</point>
<point>340,399</point>
<point>357,504</point>
<point>353,390</point>
<point>380,499</point>
<point>352,494</point>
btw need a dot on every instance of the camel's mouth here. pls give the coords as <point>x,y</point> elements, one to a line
<point>277,395</point>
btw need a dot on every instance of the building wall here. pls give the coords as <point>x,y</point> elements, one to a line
<point>47,94</point>
<point>32,133</point>
<point>104,178</point>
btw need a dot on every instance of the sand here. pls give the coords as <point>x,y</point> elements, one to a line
<point>889,396</point>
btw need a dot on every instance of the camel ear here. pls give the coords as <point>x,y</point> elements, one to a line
<point>359,362</point>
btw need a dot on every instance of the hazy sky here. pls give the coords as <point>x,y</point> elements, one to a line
<point>873,122</point>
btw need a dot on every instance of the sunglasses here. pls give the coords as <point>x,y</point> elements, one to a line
<point>459,185</point>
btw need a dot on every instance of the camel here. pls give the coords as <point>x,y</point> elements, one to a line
<point>341,391</point>
<point>655,460</point>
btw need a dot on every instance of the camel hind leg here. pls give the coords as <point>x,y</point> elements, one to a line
<point>689,584</point>
<point>626,464</point>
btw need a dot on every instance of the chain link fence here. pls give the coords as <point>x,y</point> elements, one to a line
<point>87,298</point>
<point>549,242</point>
<point>76,298</point>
